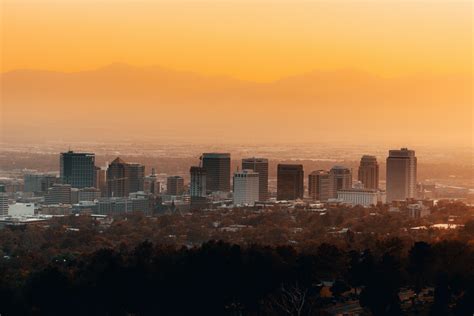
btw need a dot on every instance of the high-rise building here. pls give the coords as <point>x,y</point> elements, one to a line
<point>174,185</point>
<point>401,174</point>
<point>217,166</point>
<point>259,165</point>
<point>290,182</point>
<point>117,178</point>
<point>197,187</point>
<point>58,194</point>
<point>124,178</point>
<point>369,172</point>
<point>39,182</point>
<point>246,187</point>
<point>77,169</point>
<point>136,177</point>
<point>319,185</point>
<point>151,183</point>
<point>339,178</point>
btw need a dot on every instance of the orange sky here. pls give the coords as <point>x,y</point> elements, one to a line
<point>252,40</point>
<point>378,70</point>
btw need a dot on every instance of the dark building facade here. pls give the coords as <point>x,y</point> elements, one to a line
<point>290,182</point>
<point>174,185</point>
<point>124,178</point>
<point>77,169</point>
<point>259,165</point>
<point>340,178</point>
<point>217,166</point>
<point>369,172</point>
<point>319,185</point>
<point>401,174</point>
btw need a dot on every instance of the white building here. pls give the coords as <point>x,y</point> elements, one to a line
<point>246,187</point>
<point>360,196</point>
<point>21,209</point>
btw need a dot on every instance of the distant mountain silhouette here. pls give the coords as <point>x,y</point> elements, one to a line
<point>120,100</point>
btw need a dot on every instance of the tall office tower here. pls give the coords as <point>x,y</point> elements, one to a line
<point>117,179</point>
<point>217,166</point>
<point>58,194</point>
<point>136,177</point>
<point>174,185</point>
<point>369,172</point>
<point>39,182</point>
<point>290,182</point>
<point>259,165</point>
<point>151,184</point>
<point>3,204</point>
<point>401,174</point>
<point>77,169</point>
<point>124,178</point>
<point>246,187</point>
<point>339,178</point>
<point>197,186</point>
<point>318,185</point>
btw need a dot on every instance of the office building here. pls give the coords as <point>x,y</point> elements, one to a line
<point>58,194</point>
<point>319,185</point>
<point>259,165</point>
<point>124,178</point>
<point>38,182</point>
<point>339,178</point>
<point>246,187</point>
<point>174,185</point>
<point>290,182</point>
<point>151,183</point>
<point>78,169</point>
<point>197,187</point>
<point>3,204</point>
<point>401,174</point>
<point>217,166</point>
<point>88,194</point>
<point>361,196</point>
<point>136,177</point>
<point>369,172</point>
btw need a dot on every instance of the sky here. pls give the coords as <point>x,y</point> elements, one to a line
<point>250,40</point>
<point>258,42</point>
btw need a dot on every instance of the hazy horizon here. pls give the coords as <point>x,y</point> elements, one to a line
<point>375,72</point>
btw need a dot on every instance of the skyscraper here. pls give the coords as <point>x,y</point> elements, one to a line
<point>318,185</point>
<point>339,178</point>
<point>290,182</point>
<point>246,187</point>
<point>197,187</point>
<point>217,166</point>
<point>174,185</point>
<point>77,169</point>
<point>117,178</point>
<point>401,174</point>
<point>124,178</point>
<point>259,165</point>
<point>151,183</point>
<point>136,177</point>
<point>369,172</point>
